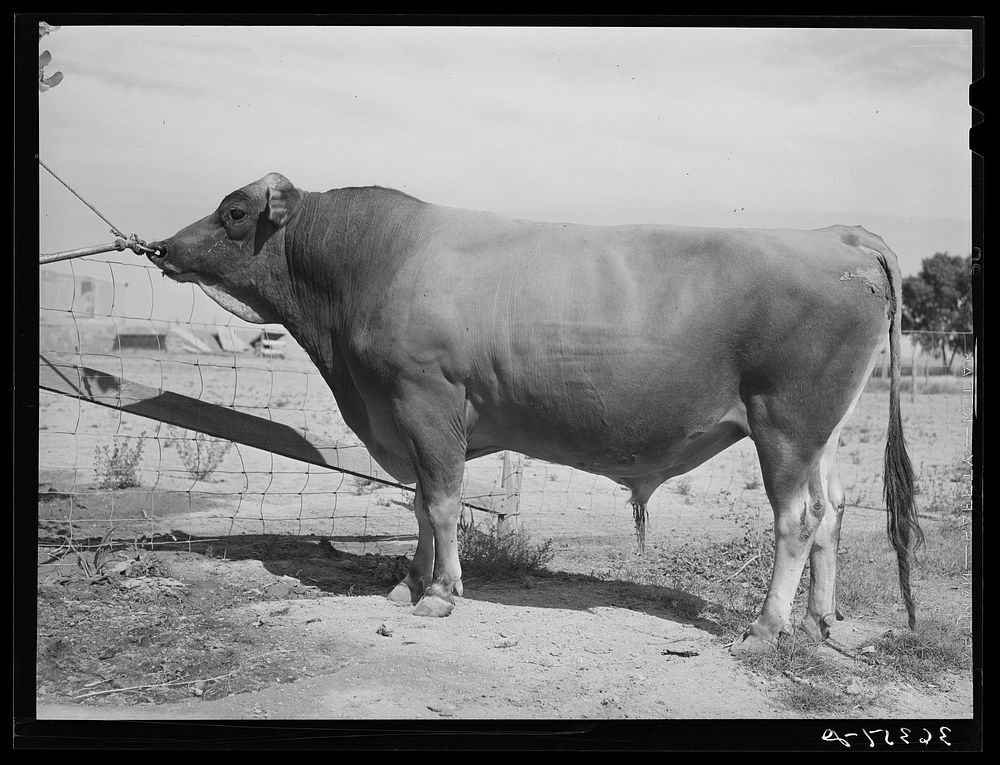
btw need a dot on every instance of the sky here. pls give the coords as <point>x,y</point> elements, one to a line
<point>799,128</point>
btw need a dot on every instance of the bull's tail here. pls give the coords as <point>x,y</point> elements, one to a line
<point>902,526</point>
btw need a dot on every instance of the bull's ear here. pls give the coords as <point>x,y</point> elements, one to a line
<point>282,199</point>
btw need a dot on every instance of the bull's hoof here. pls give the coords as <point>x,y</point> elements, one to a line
<point>752,645</point>
<point>816,629</point>
<point>762,636</point>
<point>403,593</point>
<point>434,605</point>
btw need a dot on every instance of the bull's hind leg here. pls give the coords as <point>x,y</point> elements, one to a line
<point>422,567</point>
<point>825,487</point>
<point>789,467</point>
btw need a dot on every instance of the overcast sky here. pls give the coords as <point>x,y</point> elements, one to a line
<point>724,127</point>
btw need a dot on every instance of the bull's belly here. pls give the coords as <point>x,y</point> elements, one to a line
<point>640,449</point>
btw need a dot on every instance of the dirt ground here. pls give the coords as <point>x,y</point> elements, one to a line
<point>189,635</point>
<point>219,600</point>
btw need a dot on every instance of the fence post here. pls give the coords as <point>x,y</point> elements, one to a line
<point>913,374</point>
<point>510,481</point>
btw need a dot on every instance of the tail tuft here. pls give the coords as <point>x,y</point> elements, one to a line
<point>902,525</point>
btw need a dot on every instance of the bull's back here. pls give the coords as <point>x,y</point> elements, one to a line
<point>552,290</point>
<point>633,338</point>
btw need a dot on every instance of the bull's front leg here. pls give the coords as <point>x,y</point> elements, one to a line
<point>442,507</point>
<point>436,442</point>
<point>421,572</point>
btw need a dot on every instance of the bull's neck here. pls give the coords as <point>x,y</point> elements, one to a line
<point>343,249</point>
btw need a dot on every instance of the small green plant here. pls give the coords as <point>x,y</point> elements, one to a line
<point>684,486</point>
<point>501,553</point>
<point>200,454</point>
<point>106,559</point>
<point>94,566</point>
<point>117,464</point>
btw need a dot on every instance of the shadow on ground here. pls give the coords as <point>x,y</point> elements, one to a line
<point>323,563</point>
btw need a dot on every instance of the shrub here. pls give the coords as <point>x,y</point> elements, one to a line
<point>200,454</point>
<point>117,464</point>
<point>501,553</point>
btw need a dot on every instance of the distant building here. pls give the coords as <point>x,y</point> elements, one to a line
<point>269,343</point>
<point>84,296</point>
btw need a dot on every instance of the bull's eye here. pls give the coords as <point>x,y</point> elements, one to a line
<point>237,214</point>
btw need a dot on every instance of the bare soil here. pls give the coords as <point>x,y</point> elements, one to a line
<point>291,629</point>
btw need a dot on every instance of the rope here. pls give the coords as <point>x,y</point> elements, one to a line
<point>114,229</point>
<point>138,246</point>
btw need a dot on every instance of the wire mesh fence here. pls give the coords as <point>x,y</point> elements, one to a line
<point>110,472</point>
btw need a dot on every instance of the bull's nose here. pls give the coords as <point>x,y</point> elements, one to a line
<point>159,252</point>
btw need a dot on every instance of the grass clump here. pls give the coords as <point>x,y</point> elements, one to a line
<point>117,464</point>
<point>867,580</point>
<point>501,553</point>
<point>817,680</point>
<point>926,654</point>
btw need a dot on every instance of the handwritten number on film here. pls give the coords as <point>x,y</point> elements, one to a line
<point>881,736</point>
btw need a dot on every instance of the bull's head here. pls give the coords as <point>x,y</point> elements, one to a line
<point>237,251</point>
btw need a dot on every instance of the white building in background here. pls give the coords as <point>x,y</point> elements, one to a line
<point>84,313</point>
<point>65,293</point>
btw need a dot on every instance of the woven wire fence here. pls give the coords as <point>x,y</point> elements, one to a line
<point>108,473</point>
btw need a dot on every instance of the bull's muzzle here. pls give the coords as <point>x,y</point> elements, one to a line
<point>160,250</point>
<point>159,258</point>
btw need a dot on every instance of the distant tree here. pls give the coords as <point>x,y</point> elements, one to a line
<point>939,299</point>
<point>44,82</point>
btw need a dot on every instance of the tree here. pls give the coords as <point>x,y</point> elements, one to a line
<point>45,83</point>
<point>939,299</point>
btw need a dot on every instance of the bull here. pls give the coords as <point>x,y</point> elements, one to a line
<point>632,352</point>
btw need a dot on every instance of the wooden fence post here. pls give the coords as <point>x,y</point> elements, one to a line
<point>510,481</point>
